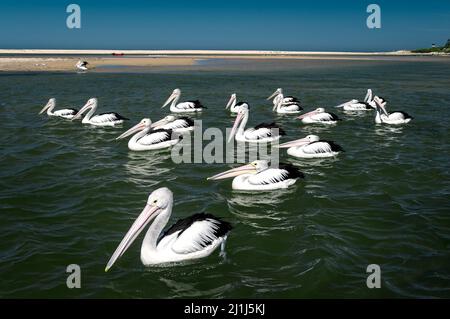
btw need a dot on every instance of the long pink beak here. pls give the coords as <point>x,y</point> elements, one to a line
<point>299,142</point>
<point>246,169</point>
<point>80,112</point>
<point>148,213</point>
<point>307,114</point>
<point>235,125</point>
<point>138,127</point>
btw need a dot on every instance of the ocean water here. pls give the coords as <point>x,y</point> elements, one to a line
<point>69,192</point>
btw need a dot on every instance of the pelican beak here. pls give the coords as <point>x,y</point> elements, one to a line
<point>236,123</point>
<point>83,109</point>
<point>47,106</point>
<point>299,142</point>
<point>171,97</point>
<point>139,224</point>
<point>273,95</point>
<point>307,114</point>
<point>381,105</point>
<point>246,169</point>
<point>159,123</point>
<point>230,102</point>
<point>138,127</point>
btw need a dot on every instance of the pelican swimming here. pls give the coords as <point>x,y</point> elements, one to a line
<point>183,107</point>
<point>285,99</point>
<point>262,133</point>
<point>259,176</point>
<point>146,140</point>
<point>319,116</point>
<point>177,124</point>
<point>191,238</point>
<point>383,117</point>
<point>283,107</point>
<point>82,65</point>
<point>103,119</point>
<point>356,105</point>
<point>64,113</point>
<point>234,107</point>
<point>311,147</point>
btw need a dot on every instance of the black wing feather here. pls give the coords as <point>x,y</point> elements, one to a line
<point>272,125</point>
<point>198,104</point>
<point>293,171</point>
<point>334,147</point>
<point>181,225</point>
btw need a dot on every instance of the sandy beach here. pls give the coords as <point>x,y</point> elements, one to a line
<point>65,60</point>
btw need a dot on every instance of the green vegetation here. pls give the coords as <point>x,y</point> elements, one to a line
<point>442,49</point>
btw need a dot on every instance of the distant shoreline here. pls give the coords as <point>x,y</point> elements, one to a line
<point>64,60</point>
<point>202,52</point>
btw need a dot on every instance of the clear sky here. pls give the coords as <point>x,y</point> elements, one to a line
<point>323,25</point>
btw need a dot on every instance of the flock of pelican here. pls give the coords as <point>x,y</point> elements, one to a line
<point>199,235</point>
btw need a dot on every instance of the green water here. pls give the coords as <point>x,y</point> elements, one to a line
<point>69,192</point>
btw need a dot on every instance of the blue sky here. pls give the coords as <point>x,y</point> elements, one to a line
<point>246,24</point>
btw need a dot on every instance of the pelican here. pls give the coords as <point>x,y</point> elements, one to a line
<point>311,147</point>
<point>64,113</point>
<point>285,99</point>
<point>283,107</point>
<point>259,176</point>
<point>183,107</point>
<point>319,116</point>
<point>177,124</point>
<point>383,117</point>
<point>262,133</point>
<point>191,238</point>
<point>103,119</point>
<point>146,140</point>
<point>82,65</point>
<point>356,105</point>
<point>234,107</point>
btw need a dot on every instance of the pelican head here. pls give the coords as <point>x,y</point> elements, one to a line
<point>380,103</point>
<point>91,103</point>
<point>277,92</point>
<point>231,101</point>
<point>142,125</point>
<point>300,142</point>
<point>316,111</point>
<point>368,97</point>
<point>175,94</point>
<point>49,106</point>
<point>164,121</point>
<point>241,113</point>
<point>252,168</point>
<point>159,201</point>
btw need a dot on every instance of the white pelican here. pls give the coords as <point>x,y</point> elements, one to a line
<point>285,107</point>
<point>146,140</point>
<point>259,176</point>
<point>64,113</point>
<point>183,107</point>
<point>311,147</point>
<point>356,105</point>
<point>383,117</point>
<point>191,238</point>
<point>177,124</point>
<point>262,133</point>
<point>319,116</point>
<point>286,99</point>
<point>103,119</point>
<point>82,65</point>
<point>234,107</point>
